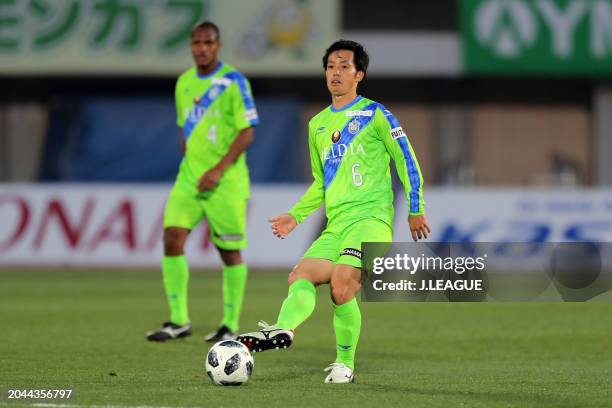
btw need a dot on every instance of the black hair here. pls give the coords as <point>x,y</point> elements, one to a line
<point>207,24</point>
<point>360,56</point>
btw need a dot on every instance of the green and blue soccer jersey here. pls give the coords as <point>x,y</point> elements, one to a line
<point>212,109</point>
<point>350,151</point>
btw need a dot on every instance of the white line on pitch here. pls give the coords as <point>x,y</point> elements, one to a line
<point>49,405</point>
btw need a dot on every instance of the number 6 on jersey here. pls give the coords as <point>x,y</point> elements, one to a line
<point>357,177</point>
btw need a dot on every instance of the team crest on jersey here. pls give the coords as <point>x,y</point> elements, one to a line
<point>214,91</point>
<point>335,136</point>
<point>354,126</point>
<point>197,100</point>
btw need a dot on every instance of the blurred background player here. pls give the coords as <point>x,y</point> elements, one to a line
<point>351,143</point>
<point>216,114</point>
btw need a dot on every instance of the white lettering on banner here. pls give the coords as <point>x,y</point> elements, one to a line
<point>562,24</point>
<point>506,41</point>
<point>118,225</point>
<point>510,37</point>
<point>601,26</point>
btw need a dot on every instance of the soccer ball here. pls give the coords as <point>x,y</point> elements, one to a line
<point>229,362</point>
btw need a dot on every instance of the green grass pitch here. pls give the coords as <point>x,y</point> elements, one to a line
<point>85,330</point>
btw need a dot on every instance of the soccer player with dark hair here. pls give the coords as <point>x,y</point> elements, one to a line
<point>351,143</point>
<point>217,115</point>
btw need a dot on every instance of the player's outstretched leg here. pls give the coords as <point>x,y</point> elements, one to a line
<point>296,308</point>
<point>347,323</point>
<point>268,338</point>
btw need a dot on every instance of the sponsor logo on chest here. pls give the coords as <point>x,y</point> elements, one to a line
<point>359,113</point>
<point>196,113</point>
<point>337,151</point>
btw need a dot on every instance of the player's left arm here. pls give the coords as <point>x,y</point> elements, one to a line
<point>283,224</point>
<point>407,166</point>
<point>245,119</point>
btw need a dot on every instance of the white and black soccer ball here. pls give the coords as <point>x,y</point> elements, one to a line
<point>229,362</point>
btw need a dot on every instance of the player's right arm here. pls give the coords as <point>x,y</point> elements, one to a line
<point>283,224</point>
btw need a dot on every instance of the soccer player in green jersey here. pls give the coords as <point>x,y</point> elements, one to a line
<point>351,143</point>
<point>216,114</point>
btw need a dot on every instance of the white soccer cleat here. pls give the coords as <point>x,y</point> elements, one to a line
<point>268,338</point>
<point>340,374</point>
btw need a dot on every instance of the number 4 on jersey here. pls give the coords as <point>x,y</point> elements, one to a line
<point>212,134</point>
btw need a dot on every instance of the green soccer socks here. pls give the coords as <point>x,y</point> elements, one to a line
<point>176,277</point>
<point>298,305</point>
<point>347,325</point>
<point>234,283</point>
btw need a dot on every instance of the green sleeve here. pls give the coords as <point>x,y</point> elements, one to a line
<point>180,117</point>
<point>314,196</point>
<point>407,166</point>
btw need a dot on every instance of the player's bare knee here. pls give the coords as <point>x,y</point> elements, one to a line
<point>340,294</point>
<point>174,242</point>
<point>293,276</point>
<point>230,257</point>
<point>297,274</point>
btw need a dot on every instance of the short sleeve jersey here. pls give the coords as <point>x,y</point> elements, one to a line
<point>211,110</point>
